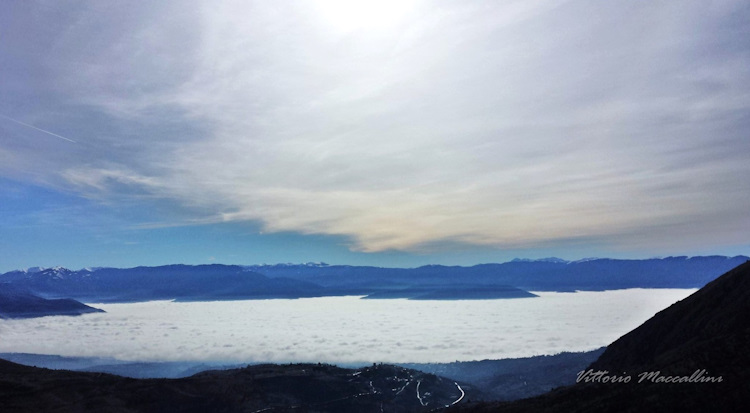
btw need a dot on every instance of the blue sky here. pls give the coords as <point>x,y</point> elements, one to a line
<point>384,133</point>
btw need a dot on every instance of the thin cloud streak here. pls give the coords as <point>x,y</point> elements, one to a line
<point>35,128</point>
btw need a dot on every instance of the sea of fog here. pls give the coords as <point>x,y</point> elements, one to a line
<point>342,329</point>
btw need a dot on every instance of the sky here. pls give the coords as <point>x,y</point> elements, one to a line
<point>391,133</point>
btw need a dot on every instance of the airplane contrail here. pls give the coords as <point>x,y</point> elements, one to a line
<point>39,129</point>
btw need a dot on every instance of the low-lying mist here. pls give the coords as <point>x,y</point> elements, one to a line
<point>342,329</point>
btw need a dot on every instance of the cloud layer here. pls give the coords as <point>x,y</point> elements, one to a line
<point>342,329</point>
<point>511,126</point>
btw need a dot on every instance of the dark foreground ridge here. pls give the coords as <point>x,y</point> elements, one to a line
<point>263,388</point>
<point>506,379</point>
<point>695,342</point>
<point>513,379</point>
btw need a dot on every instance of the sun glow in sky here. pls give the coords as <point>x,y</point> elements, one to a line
<point>367,14</point>
<point>386,133</point>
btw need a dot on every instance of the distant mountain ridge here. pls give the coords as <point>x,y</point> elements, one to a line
<point>550,274</point>
<point>16,303</point>
<point>548,259</point>
<point>484,281</point>
<point>181,282</point>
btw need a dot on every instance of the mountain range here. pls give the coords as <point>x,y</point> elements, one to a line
<point>550,274</point>
<point>183,282</point>
<point>486,281</point>
<point>690,357</point>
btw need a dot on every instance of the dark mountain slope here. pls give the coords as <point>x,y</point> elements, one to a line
<point>706,330</point>
<point>16,303</point>
<point>270,388</point>
<point>513,379</point>
<point>710,330</point>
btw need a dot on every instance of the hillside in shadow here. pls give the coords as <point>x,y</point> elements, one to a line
<point>267,388</point>
<point>690,357</point>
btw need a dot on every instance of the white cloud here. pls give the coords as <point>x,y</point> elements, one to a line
<point>507,126</point>
<point>342,329</point>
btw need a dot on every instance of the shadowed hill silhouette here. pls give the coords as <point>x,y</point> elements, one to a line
<point>707,330</point>
<point>17,303</point>
<point>261,388</point>
<point>705,336</point>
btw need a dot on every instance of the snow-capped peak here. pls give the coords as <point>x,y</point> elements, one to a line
<point>288,264</point>
<point>55,272</point>
<point>586,259</point>
<point>548,259</point>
